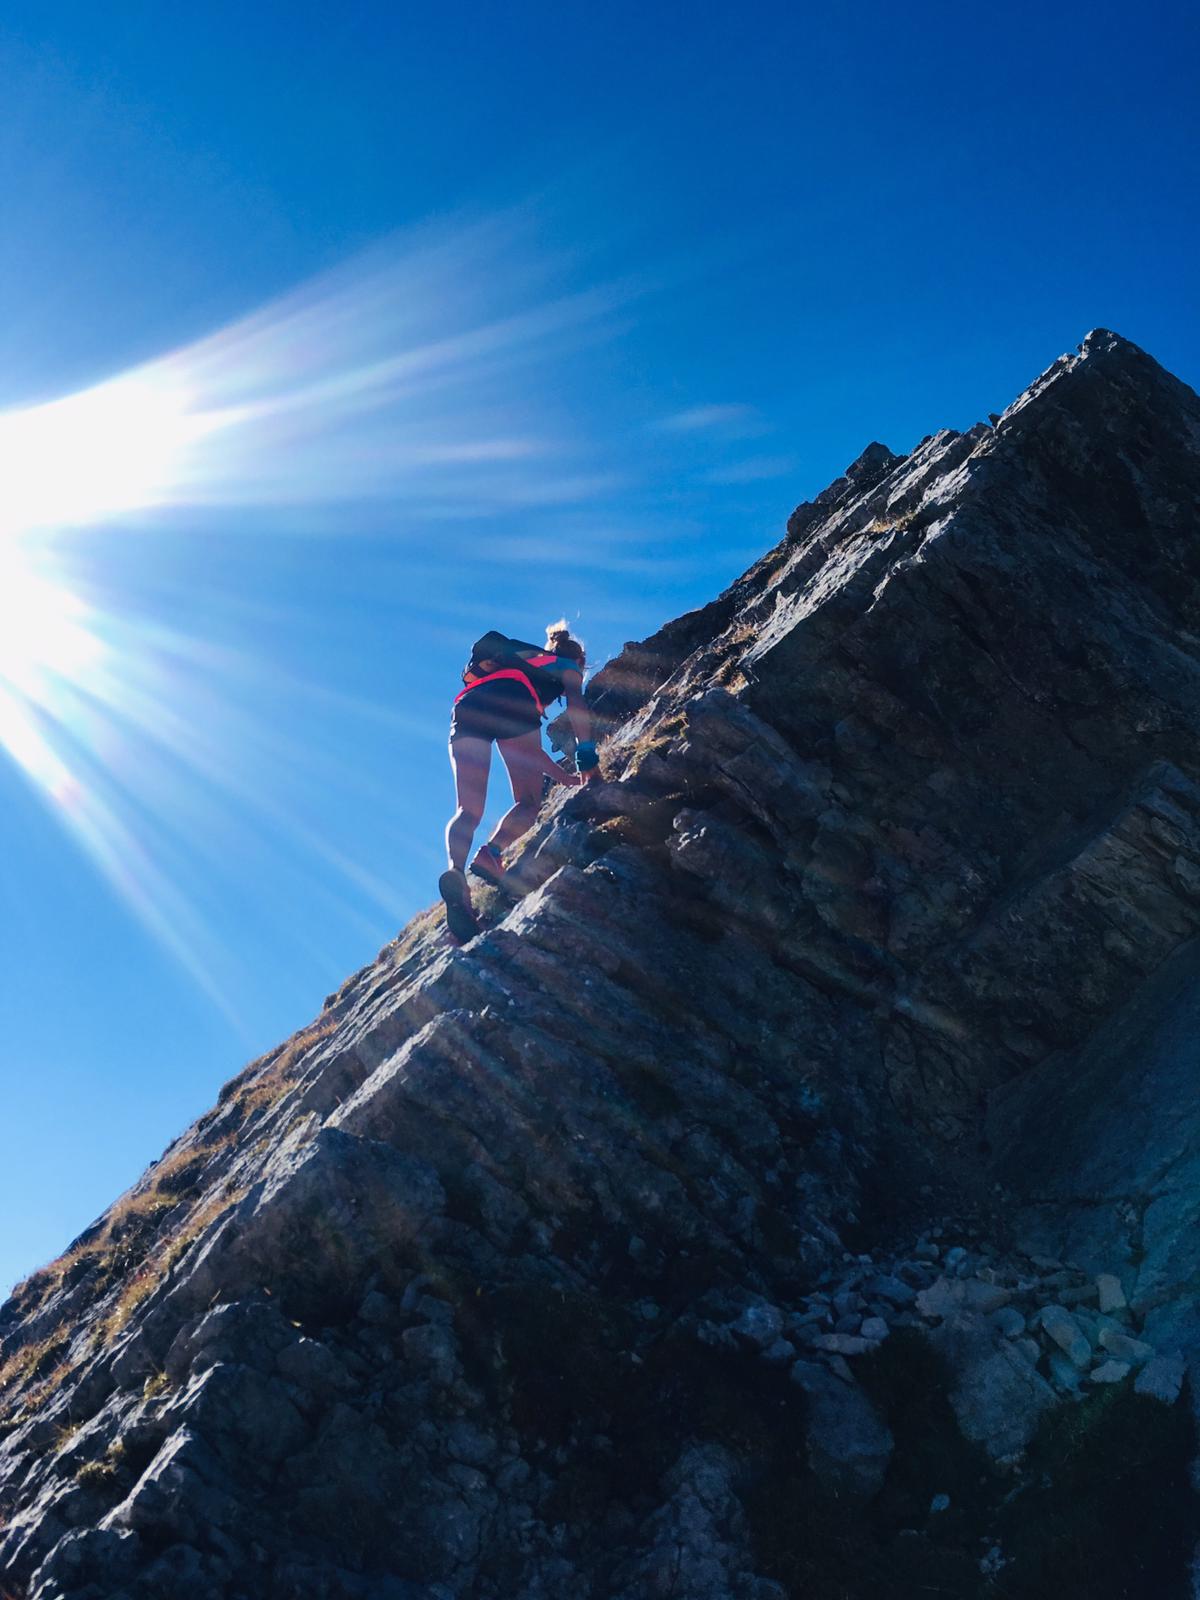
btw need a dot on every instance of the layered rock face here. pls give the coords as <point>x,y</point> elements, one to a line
<point>793,1193</point>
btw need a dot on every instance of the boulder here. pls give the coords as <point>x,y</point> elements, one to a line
<point>1162,1378</point>
<point>998,1397</point>
<point>1058,1323</point>
<point>848,1446</point>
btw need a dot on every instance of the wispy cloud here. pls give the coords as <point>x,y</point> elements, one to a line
<point>420,373</point>
<point>730,421</point>
<point>751,470</point>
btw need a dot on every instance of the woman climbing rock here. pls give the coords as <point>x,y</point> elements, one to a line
<point>508,684</point>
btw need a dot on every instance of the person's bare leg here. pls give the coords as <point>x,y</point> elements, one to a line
<point>527,764</point>
<point>470,759</point>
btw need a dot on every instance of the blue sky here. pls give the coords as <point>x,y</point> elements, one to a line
<point>394,323</point>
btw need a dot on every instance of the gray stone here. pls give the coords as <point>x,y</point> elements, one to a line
<point>694,1544</point>
<point>246,1332</point>
<point>947,1295</point>
<point>816,1310</point>
<point>1078,1295</point>
<point>468,1443</point>
<point>979,1295</point>
<point>780,1353</point>
<point>376,1308</point>
<point>842,1344</point>
<point>512,1476</point>
<point>178,1497</point>
<point>993,1562</point>
<point>1090,1325</point>
<point>180,1572</point>
<point>941,1298</point>
<point>1124,1348</point>
<point>105,1556</point>
<point>997,1395</point>
<point>1119,1129</point>
<point>760,1324</point>
<point>849,1447</point>
<point>1008,1321</point>
<point>1110,1372</point>
<point>1058,1323</point>
<point>431,1308</point>
<point>432,1349</point>
<point>236,1410</point>
<point>1064,1372</point>
<point>312,1365</point>
<point>1162,1378</point>
<point>874,1328</point>
<point>893,1289</point>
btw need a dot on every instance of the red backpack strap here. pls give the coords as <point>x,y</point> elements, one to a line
<point>504,672</point>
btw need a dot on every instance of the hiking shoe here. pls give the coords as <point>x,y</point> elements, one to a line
<point>460,917</point>
<point>489,865</point>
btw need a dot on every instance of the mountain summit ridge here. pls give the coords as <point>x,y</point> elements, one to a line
<point>539,1267</point>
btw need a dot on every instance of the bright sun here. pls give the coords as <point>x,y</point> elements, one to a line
<point>398,379</point>
<point>74,461</point>
<point>43,627</point>
<point>92,455</point>
<point>116,448</point>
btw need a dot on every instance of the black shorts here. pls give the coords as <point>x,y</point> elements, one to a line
<point>501,709</point>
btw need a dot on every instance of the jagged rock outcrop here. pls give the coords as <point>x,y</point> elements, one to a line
<point>793,1193</point>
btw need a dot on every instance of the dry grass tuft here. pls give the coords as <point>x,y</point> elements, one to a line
<point>24,1363</point>
<point>18,1401</point>
<point>414,936</point>
<point>46,1389</point>
<point>109,1464</point>
<point>897,524</point>
<point>141,1239</point>
<point>261,1089</point>
<point>160,1266</point>
<point>116,1241</point>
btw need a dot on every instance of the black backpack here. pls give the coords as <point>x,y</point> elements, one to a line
<point>543,669</point>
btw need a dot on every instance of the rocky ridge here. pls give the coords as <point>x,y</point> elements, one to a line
<point>794,1189</point>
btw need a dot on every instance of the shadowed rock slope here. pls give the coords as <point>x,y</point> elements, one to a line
<point>794,1193</point>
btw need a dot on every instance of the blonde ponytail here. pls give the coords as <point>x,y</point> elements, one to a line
<point>560,640</point>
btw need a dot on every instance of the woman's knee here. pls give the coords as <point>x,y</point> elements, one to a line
<point>467,816</point>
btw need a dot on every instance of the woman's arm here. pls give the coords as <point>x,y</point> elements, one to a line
<point>587,763</point>
<point>578,714</point>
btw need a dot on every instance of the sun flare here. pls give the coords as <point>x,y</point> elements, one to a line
<point>44,628</point>
<point>415,379</point>
<point>111,449</point>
